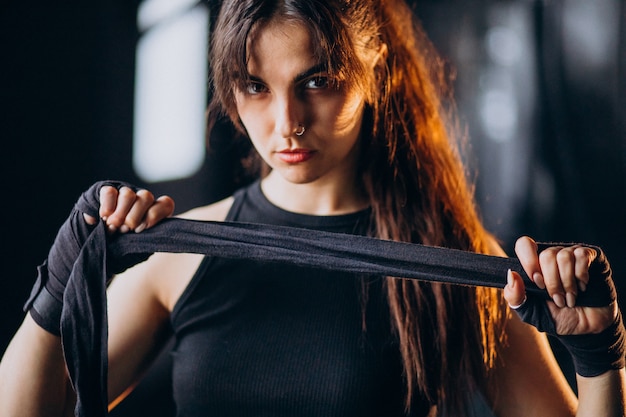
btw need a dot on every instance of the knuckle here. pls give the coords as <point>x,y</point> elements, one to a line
<point>167,203</point>
<point>107,191</point>
<point>145,195</point>
<point>547,255</point>
<point>563,256</point>
<point>524,243</point>
<point>584,253</point>
<point>126,192</point>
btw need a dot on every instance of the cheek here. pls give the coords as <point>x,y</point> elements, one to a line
<point>243,108</point>
<point>346,113</point>
<point>252,115</point>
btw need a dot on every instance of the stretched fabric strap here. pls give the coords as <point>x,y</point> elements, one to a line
<point>84,321</point>
<point>319,249</point>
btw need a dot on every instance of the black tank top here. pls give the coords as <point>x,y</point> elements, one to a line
<point>257,339</point>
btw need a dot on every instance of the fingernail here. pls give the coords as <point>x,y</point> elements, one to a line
<point>112,228</point>
<point>124,229</point>
<point>509,279</point>
<point>571,299</point>
<point>538,280</point>
<point>558,300</point>
<point>582,286</point>
<point>140,228</point>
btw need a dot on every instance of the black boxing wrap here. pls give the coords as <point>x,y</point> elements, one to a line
<point>45,302</point>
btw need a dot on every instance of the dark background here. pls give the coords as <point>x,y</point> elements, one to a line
<point>66,84</point>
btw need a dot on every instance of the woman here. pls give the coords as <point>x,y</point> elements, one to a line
<point>343,103</point>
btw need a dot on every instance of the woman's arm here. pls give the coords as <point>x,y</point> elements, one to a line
<point>602,395</point>
<point>527,380</point>
<point>138,316</point>
<point>139,303</point>
<point>33,378</point>
<point>529,383</point>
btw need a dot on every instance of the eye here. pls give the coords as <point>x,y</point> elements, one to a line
<point>254,88</point>
<point>317,82</point>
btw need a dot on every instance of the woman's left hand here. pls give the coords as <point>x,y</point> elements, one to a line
<point>563,271</point>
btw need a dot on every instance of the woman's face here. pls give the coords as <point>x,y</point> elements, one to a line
<point>289,88</point>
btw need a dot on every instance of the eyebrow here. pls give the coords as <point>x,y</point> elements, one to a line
<point>299,77</point>
<point>313,70</point>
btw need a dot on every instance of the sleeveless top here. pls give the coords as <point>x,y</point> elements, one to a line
<point>263,339</point>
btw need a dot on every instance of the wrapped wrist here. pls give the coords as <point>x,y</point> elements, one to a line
<point>596,354</point>
<point>44,308</point>
<point>46,299</point>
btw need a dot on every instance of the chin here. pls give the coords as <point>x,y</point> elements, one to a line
<point>299,178</point>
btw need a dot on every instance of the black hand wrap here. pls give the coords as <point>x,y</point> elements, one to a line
<point>46,299</point>
<point>592,354</point>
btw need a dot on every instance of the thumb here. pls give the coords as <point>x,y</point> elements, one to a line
<point>514,290</point>
<point>90,220</point>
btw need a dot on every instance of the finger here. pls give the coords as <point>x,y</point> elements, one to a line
<point>163,207</point>
<point>144,199</point>
<point>108,201</point>
<point>514,291</point>
<point>125,200</point>
<point>566,262</point>
<point>89,219</point>
<point>551,275</point>
<point>526,252</point>
<point>584,258</point>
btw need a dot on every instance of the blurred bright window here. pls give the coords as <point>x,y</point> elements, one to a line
<point>170,89</point>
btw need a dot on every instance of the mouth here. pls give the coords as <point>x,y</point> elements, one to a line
<point>294,156</point>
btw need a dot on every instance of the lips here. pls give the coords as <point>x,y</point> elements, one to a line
<point>294,156</point>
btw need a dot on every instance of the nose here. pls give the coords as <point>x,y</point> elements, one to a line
<point>288,112</point>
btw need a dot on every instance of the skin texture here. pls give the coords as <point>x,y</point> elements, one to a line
<point>33,381</point>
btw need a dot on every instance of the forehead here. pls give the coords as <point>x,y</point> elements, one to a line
<point>278,46</point>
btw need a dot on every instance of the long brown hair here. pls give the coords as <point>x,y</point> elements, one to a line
<point>411,170</point>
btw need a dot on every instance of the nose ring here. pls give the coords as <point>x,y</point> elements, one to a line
<point>300,130</point>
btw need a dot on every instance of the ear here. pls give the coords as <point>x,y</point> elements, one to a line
<point>381,55</point>
<point>378,71</point>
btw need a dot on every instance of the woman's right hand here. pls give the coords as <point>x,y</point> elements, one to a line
<point>125,209</point>
<point>122,207</point>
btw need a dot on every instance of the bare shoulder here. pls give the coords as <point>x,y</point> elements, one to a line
<point>164,276</point>
<point>212,212</point>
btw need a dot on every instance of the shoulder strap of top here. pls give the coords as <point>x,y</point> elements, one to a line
<point>239,198</point>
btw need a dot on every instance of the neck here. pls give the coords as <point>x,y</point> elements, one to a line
<point>316,198</point>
